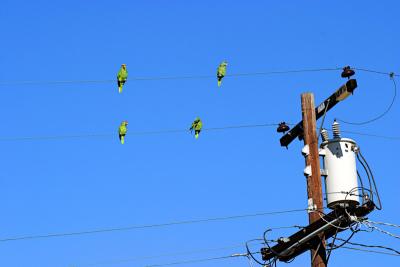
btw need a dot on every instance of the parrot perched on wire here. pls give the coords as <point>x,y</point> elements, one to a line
<point>196,126</point>
<point>121,77</point>
<point>122,131</point>
<point>221,72</point>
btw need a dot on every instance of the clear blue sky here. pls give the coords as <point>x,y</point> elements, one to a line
<point>69,185</point>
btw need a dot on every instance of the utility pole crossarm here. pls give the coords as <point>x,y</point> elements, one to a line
<point>340,94</point>
<point>304,239</point>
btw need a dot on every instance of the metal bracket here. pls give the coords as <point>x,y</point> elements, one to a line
<point>311,206</point>
<point>305,150</point>
<point>308,171</point>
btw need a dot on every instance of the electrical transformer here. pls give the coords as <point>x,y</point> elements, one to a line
<point>339,159</point>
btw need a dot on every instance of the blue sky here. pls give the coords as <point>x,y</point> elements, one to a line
<point>68,185</point>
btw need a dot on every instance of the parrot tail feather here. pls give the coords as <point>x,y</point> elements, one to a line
<point>219,82</point>
<point>122,138</point>
<point>196,135</point>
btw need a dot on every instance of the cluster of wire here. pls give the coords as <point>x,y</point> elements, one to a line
<point>267,243</point>
<point>355,227</point>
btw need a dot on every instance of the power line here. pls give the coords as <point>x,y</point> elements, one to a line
<point>376,71</point>
<point>192,261</point>
<point>100,135</point>
<point>154,78</point>
<point>383,223</point>
<point>372,251</point>
<point>197,251</point>
<point>137,227</point>
<point>372,135</point>
<point>73,136</point>
<point>383,113</point>
<point>381,230</point>
<point>370,246</point>
<point>163,255</point>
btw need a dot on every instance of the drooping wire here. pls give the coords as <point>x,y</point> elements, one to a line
<point>136,227</point>
<point>345,241</point>
<point>383,113</point>
<point>373,180</point>
<point>329,253</point>
<point>370,246</point>
<point>250,253</point>
<point>362,187</point>
<point>272,261</point>
<point>368,176</point>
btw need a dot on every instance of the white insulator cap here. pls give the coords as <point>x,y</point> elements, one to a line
<point>336,129</point>
<point>324,135</point>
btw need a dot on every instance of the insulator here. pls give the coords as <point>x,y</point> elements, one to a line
<point>324,135</point>
<point>282,127</point>
<point>336,129</point>
<point>347,72</point>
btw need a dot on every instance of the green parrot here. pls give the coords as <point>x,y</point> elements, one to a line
<point>221,72</point>
<point>196,126</point>
<point>121,77</point>
<point>122,131</point>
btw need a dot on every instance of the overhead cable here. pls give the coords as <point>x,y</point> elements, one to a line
<point>372,251</point>
<point>101,135</point>
<point>198,260</point>
<point>383,113</point>
<point>137,227</point>
<point>154,78</point>
<point>371,246</point>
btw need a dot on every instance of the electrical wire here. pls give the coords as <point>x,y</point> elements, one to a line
<point>370,135</point>
<point>136,227</point>
<point>382,114</point>
<point>368,176</point>
<point>376,71</point>
<point>56,137</point>
<point>329,253</point>
<point>371,246</point>
<point>197,251</point>
<point>383,223</point>
<point>372,178</point>
<point>191,261</point>
<point>345,241</point>
<point>381,230</point>
<point>155,78</point>
<point>250,253</point>
<point>167,131</point>
<point>371,251</point>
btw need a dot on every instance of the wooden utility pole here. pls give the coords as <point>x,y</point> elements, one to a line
<point>314,186</point>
